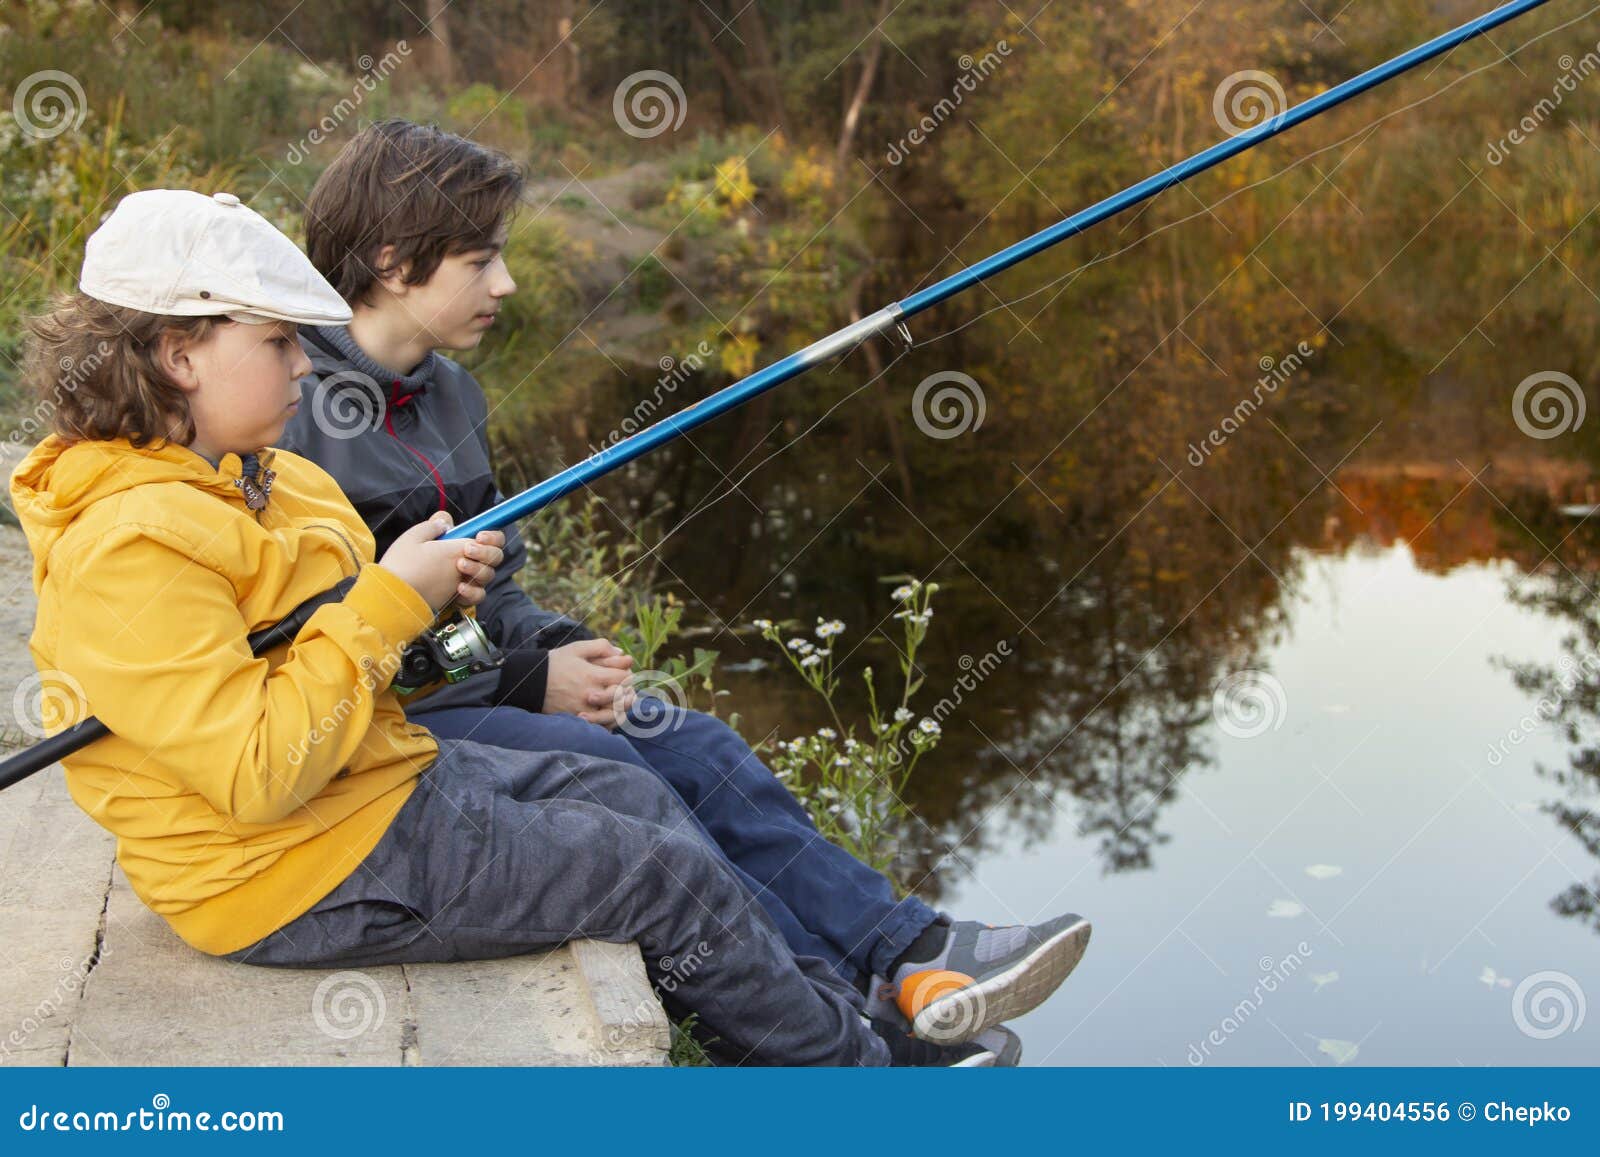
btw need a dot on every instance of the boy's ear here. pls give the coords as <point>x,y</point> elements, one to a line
<point>391,276</point>
<point>174,358</point>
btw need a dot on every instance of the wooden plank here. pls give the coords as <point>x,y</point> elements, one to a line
<point>55,867</point>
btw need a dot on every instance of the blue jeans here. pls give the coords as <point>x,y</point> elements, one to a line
<point>824,901</point>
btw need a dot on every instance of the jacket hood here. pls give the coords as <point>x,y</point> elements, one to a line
<point>58,481</point>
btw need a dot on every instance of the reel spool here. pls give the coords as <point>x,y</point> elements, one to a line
<point>447,652</point>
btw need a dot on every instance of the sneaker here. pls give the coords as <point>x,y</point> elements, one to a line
<point>984,975</point>
<point>906,1051</point>
<point>1003,1043</point>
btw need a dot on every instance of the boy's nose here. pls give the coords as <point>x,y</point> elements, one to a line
<point>302,364</point>
<point>504,284</point>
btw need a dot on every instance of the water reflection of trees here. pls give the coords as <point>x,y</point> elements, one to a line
<point>1568,696</point>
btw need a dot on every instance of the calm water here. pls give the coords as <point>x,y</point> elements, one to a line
<point>1446,865</point>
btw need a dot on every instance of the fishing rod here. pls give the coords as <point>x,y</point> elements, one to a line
<point>893,316</point>
<point>459,652</point>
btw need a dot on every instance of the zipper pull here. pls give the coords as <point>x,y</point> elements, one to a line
<point>256,493</point>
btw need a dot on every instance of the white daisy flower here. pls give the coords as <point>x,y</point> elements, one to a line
<point>811,660</point>
<point>827,733</point>
<point>901,715</point>
<point>927,727</point>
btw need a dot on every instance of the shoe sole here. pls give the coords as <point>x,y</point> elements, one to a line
<point>984,1060</point>
<point>966,1012</point>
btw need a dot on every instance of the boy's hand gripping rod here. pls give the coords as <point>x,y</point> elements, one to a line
<point>891,317</point>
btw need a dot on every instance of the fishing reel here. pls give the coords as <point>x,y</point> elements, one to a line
<point>447,652</point>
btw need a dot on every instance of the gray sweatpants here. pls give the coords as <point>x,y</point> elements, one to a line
<point>501,852</point>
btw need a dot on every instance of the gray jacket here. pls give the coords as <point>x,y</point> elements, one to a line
<point>402,448</point>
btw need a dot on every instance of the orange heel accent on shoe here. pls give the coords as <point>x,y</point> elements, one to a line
<point>921,989</point>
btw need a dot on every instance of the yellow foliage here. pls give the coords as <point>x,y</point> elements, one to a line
<point>735,189</point>
<point>808,176</point>
<point>738,354</point>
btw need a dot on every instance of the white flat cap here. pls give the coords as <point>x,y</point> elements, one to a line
<point>181,253</point>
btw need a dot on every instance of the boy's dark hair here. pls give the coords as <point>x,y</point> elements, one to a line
<point>93,368</point>
<point>427,192</point>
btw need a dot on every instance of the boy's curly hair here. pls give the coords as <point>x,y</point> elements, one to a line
<point>93,369</point>
<point>427,192</point>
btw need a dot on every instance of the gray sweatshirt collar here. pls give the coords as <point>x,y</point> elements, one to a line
<point>338,337</point>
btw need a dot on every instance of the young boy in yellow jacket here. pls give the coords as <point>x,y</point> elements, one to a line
<point>281,808</point>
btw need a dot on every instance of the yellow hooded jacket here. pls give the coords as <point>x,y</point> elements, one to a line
<point>241,790</point>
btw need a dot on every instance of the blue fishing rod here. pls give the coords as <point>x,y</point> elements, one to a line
<point>457,647</point>
<point>893,317</point>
